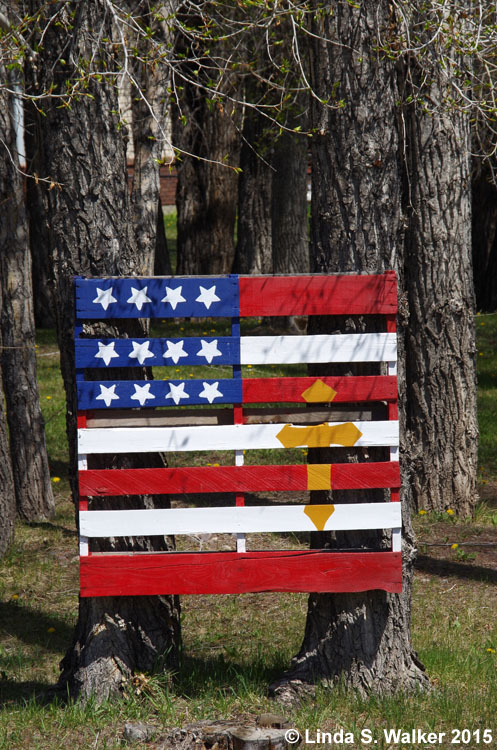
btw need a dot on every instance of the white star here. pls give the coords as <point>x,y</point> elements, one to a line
<point>177,392</point>
<point>142,393</point>
<point>138,297</point>
<point>106,352</point>
<point>175,351</point>
<point>107,394</point>
<point>210,392</point>
<point>173,296</point>
<point>140,352</point>
<point>209,350</point>
<point>104,297</point>
<point>208,296</point>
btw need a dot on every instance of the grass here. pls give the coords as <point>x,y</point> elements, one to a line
<point>233,646</point>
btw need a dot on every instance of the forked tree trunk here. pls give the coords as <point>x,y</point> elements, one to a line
<point>254,233</point>
<point>360,640</point>
<point>441,393</point>
<point>88,221</point>
<point>33,491</point>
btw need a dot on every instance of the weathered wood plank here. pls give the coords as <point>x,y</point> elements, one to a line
<point>239,520</point>
<point>236,573</point>
<point>200,479</point>
<point>318,295</point>
<point>235,437</point>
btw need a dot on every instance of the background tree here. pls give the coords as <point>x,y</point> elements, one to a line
<point>441,395</point>
<point>33,491</point>
<point>88,222</point>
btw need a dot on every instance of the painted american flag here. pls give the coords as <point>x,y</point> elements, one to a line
<point>237,428</point>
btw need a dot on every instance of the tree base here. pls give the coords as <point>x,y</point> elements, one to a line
<point>115,637</point>
<point>356,641</point>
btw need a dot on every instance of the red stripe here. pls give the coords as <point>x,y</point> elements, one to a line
<point>289,478</point>
<point>236,573</point>
<point>318,295</point>
<point>366,388</point>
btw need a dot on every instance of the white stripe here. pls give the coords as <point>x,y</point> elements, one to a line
<point>353,347</point>
<point>213,437</point>
<point>233,520</point>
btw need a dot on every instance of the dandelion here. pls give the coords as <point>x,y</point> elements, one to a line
<point>215,464</point>
<point>55,479</point>
<point>181,329</point>
<point>491,650</point>
<point>449,512</point>
<point>454,546</point>
<point>213,330</point>
<point>422,513</point>
<point>48,398</point>
<point>51,630</point>
<point>14,597</point>
<point>249,366</point>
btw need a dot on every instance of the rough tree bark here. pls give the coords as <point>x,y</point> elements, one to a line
<point>254,235</point>
<point>359,640</point>
<point>88,223</point>
<point>33,491</point>
<point>7,491</point>
<point>441,425</point>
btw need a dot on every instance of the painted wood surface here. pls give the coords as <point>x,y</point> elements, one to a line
<point>232,437</point>
<point>247,296</point>
<point>109,428</point>
<point>239,520</point>
<point>318,295</point>
<point>226,350</point>
<point>237,573</point>
<point>171,393</point>
<point>177,297</point>
<point>200,479</point>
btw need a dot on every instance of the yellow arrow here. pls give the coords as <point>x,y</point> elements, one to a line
<point>319,392</point>
<point>319,435</point>
<point>319,514</point>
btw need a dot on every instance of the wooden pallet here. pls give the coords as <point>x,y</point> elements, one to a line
<point>140,416</point>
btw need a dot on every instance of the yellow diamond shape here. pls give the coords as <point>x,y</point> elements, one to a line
<point>319,392</point>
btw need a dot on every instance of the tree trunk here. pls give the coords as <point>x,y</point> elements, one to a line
<point>359,640</point>
<point>149,104</point>
<point>208,154</point>
<point>254,237</point>
<point>33,490</point>
<point>7,490</point>
<point>289,205</point>
<point>484,238</point>
<point>442,425</point>
<point>88,222</point>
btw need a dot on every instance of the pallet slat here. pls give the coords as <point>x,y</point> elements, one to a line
<point>236,437</point>
<point>200,479</point>
<point>226,350</point>
<point>238,573</point>
<point>233,391</point>
<point>239,520</point>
